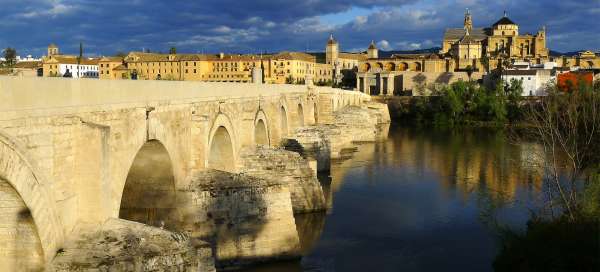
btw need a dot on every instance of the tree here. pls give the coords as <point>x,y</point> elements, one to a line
<point>513,92</point>
<point>485,62</point>
<point>10,56</point>
<point>567,125</point>
<point>173,51</point>
<point>470,71</point>
<point>419,81</point>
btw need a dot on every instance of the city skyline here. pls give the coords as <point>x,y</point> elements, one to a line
<point>257,26</point>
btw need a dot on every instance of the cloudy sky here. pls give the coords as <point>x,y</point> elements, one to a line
<point>248,26</point>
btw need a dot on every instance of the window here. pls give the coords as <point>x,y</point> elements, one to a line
<point>194,71</point>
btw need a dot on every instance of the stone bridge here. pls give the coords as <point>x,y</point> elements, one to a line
<point>76,154</point>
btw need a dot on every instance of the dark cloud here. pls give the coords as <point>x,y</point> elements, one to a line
<point>108,26</point>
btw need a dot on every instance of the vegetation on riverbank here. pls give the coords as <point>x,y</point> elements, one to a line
<point>564,235</point>
<point>465,102</point>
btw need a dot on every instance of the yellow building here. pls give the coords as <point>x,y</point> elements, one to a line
<point>467,45</point>
<point>284,67</point>
<point>295,67</point>
<point>344,65</point>
<point>583,60</point>
<point>107,65</point>
<point>236,68</point>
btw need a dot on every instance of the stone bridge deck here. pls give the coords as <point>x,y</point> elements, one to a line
<point>69,149</point>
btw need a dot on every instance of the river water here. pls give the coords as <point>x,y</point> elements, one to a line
<point>422,200</point>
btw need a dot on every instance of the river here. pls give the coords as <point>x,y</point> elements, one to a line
<point>421,200</point>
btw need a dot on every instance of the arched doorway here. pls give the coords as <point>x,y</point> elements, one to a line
<point>365,67</point>
<point>417,67</point>
<point>390,66</point>
<point>300,115</point>
<point>221,155</point>
<point>403,66</point>
<point>261,137</point>
<point>149,193</point>
<point>283,122</point>
<point>20,244</point>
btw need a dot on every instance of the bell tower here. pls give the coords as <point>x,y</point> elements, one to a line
<point>468,21</point>
<point>332,50</point>
<point>372,52</point>
<point>52,49</point>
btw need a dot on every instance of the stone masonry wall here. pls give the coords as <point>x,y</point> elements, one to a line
<point>246,219</point>
<point>121,245</point>
<point>287,168</point>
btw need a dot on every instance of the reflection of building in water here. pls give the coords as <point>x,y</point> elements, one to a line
<point>467,161</point>
<point>365,155</point>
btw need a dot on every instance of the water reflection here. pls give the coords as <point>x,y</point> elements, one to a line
<point>422,200</point>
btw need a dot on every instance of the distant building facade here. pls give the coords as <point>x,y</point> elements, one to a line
<point>58,65</point>
<point>467,53</point>
<point>284,67</point>
<point>534,81</point>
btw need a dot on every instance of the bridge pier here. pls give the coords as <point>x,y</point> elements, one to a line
<point>246,219</point>
<point>74,152</point>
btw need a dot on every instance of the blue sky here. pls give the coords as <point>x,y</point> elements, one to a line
<point>249,26</point>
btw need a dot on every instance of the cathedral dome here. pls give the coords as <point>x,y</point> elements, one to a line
<point>504,21</point>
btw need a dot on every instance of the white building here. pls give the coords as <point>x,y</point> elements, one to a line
<point>59,65</point>
<point>535,77</point>
<point>79,71</point>
<point>27,58</point>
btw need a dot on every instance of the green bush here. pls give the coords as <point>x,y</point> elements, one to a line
<point>466,102</point>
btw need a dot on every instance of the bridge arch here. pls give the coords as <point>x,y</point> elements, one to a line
<point>300,111</point>
<point>148,195</point>
<point>37,211</point>
<point>261,129</point>
<point>284,122</point>
<point>222,145</point>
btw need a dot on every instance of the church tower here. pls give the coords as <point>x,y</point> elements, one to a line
<point>468,22</point>
<point>372,52</point>
<point>52,50</point>
<point>332,51</point>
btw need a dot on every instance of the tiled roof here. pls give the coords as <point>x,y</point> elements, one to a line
<point>71,60</point>
<point>477,34</point>
<point>120,67</point>
<point>468,39</point>
<point>504,21</point>
<point>415,56</point>
<point>354,56</point>
<point>520,72</point>
<point>28,64</point>
<point>295,56</point>
<point>111,59</point>
<point>372,45</point>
